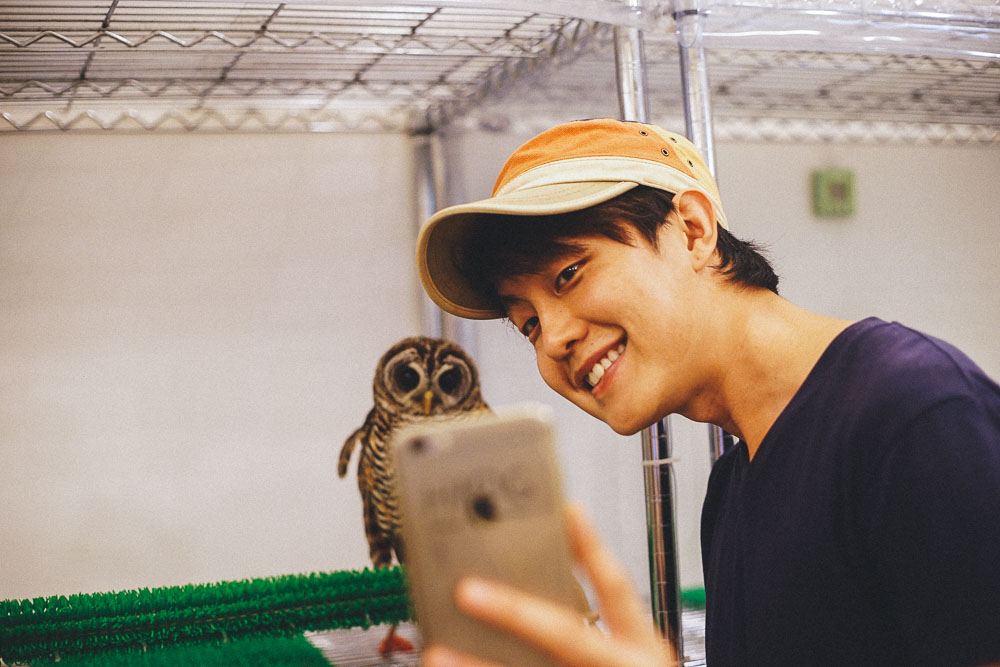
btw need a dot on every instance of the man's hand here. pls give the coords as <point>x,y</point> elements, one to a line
<point>631,640</point>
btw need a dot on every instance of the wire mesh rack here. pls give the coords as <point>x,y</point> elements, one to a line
<point>777,94</point>
<point>356,647</point>
<point>192,66</point>
<point>879,68</point>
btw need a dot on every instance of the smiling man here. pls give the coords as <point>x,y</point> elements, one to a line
<point>855,523</point>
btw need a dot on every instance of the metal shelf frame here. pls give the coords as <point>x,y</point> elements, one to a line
<point>814,70</point>
<point>336,66</point>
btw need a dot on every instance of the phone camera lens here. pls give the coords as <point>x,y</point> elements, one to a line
<point>484,508</point>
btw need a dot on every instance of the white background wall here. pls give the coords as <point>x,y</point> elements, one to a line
<point>189,326</point>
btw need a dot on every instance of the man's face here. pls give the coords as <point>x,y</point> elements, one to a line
<point>614,327</point>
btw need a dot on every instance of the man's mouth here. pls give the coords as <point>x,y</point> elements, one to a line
<point>595,375</point>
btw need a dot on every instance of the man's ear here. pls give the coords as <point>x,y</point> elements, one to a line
<point>697,223</point>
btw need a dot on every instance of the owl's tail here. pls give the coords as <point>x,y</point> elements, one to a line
<point>348,449</point>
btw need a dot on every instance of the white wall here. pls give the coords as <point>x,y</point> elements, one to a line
<point>189,330</point>
<point>189,324</point>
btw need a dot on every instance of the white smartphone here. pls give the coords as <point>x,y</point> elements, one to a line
<point>482,496</point>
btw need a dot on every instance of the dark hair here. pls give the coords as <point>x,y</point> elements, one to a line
<point>500,247</point>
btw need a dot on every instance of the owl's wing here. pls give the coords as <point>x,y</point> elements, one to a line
<point>352,440</point>
<point>378,534</point>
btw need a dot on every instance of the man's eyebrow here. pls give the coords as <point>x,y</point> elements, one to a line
<point>509,300</point>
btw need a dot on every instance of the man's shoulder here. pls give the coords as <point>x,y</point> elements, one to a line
<point>892,360</point>
<point>877,380</point>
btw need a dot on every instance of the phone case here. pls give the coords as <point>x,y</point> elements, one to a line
<point>482,496</point>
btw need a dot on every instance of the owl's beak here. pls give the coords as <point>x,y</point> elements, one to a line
<point>428,400</point>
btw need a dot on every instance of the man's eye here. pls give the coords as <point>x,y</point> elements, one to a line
<point>566,275</point>
<point>529,326</point>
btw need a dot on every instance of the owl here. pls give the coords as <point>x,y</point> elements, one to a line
<point>417,379</point>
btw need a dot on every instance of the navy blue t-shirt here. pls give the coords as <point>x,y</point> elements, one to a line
<point>866,530</point>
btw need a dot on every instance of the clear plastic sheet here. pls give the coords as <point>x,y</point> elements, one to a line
<point>335,66</point>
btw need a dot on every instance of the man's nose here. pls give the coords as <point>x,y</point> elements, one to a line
<point>560,331</point>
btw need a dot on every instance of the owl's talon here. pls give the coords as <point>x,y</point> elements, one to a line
<point>393,643</point>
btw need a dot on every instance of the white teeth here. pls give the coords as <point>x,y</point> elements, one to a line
<point>597,372</point>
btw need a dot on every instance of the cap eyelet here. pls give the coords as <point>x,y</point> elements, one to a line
<point>644,133</point>
<point>673,139</point>
<point>690,163</point>
<point>665,152</point>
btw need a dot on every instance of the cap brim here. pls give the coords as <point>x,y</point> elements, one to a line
<point>448,229</point>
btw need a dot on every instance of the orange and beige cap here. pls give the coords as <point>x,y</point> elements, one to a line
<point>567,168</point>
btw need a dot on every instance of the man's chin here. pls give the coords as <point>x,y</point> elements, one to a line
<point>623,426</point>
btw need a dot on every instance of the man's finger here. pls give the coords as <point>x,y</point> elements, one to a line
<point>442,656</point>
<point>621,608</point>
<point>559,631</point>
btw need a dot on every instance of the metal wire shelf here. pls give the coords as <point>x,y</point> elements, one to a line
<point>150,65</point>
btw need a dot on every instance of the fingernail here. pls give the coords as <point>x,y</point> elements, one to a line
<point>473,592</point>
<point>439,656</point>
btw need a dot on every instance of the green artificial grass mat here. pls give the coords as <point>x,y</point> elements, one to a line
<point>55,628</point>
<point>693,598</point>
<point>290,651</point>
<point>252,621</point>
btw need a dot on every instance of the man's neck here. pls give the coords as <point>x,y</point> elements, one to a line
<point>774,345</point>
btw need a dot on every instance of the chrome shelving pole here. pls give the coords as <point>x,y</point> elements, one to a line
<point>431,317</point>
<point>633,104</point>
<point>694,78</point>
<point>426,160</point>
<point>688,18</point>
<point>630,74</point>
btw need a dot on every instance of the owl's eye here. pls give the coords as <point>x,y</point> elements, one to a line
<point>406,378</point>
<point>450,380</point>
